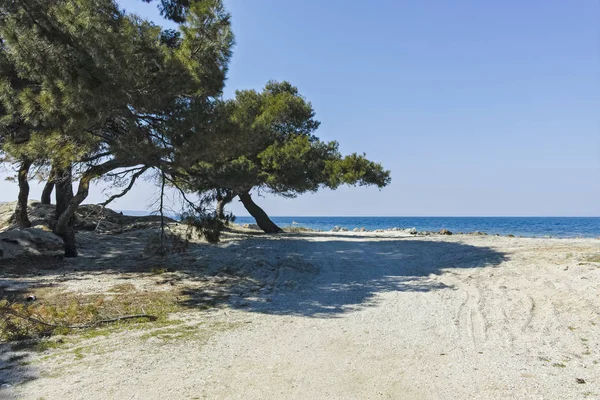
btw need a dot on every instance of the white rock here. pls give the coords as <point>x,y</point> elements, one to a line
<point>251,226</point>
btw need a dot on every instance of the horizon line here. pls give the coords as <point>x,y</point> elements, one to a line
<point>427,216</point>
<point>398,216</point>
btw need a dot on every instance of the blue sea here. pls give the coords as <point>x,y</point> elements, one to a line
<point>562,227</point>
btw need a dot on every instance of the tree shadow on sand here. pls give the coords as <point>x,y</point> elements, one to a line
<point>295,274</point>
<point>13,369</point>
<point>324,276</point>
<point>327,278</point>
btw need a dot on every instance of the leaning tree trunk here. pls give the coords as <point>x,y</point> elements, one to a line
<point>48,188</point>
<point>65,211</point>
<point>63,180</point>
<point>21,217</point>
<point>223,198</point>
<point>262,219</point>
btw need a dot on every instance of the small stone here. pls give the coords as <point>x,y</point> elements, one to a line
<point>477,233</point>
<point>445,232</point>
<point>251,226</point>
<point>580,380</point>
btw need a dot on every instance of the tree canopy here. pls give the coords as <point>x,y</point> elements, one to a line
<point>269,145</point>
<point>107,84</point>
<point>90,91</point>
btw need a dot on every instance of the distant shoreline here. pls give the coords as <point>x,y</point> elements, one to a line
<point>559,227</point>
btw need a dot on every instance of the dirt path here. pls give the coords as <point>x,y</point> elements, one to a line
<point>351,317</point>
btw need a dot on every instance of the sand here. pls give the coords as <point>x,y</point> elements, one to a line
<point>336,316</point>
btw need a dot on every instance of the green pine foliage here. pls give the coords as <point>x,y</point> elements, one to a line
<point>89,90</point>
<point>269,144</point>
<point>105,89</point>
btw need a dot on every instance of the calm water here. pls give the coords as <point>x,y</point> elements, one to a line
<point>518,226</point>
<point>563,227</point>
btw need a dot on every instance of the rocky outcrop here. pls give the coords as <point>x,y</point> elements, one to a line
<point>89,217</point>
<point>30,242</point>
<point>410,231</point>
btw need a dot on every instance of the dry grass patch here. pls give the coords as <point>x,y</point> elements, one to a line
<point>123,288</point>
<point>59,312</point>
<point>298,229</point>
<point>593,258</point>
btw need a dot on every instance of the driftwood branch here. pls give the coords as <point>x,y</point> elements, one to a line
<point>17,314</point>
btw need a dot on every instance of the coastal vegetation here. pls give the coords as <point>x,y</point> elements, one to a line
<point>89,92</point>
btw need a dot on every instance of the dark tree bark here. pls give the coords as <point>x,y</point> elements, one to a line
<point>65,211</point>
<point>47,192</point>
<point>63,179</point>
<point>21,217</point>
<point>262,219</point>
<point>224,197</point>
<point>48,188</point>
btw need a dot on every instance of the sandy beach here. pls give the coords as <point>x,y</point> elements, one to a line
<point>327,316</point>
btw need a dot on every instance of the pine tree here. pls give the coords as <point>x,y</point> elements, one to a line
<point>108,86</point>
<point>267,143</point>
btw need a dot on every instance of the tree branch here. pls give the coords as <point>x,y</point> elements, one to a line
<point>127,189</point>
<point>190,203</point>
<point>96,157</point>
<point>83,190</point>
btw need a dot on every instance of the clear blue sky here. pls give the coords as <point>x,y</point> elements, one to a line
<point>478,108</point>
